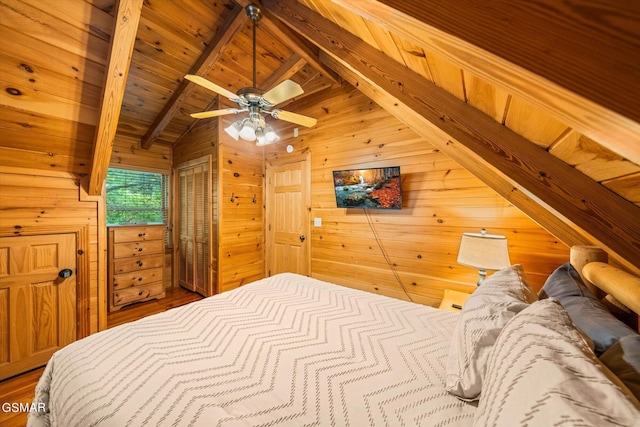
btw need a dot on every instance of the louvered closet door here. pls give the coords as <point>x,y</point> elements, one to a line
<point>193,271</point>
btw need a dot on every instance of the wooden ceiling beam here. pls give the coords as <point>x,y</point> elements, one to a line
<point>202,66</point>
<point>570,205</point>
<point>577,60</point>
<point>123,38</point>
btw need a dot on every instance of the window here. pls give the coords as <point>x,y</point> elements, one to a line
<point>136,197</point>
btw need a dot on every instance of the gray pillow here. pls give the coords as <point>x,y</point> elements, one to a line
<point>623,359</point>
<point>565,281</point>
<point>483,316</point>
<point>593,318</point>
<point>585,310</point>
<point>541,373</point>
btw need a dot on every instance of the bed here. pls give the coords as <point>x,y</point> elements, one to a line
<point>292,350</point>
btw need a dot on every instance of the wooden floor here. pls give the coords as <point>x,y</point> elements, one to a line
<point>20,389</point>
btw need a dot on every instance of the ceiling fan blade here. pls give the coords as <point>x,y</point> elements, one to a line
<point>216,113</point>
<point>298,119</point>
<point>211,86</point>
<point>285,90</point>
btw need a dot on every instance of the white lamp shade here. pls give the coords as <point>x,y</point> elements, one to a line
<point>248,131</point>
<point>484,251</point>
<point>234,129</point>
<point>260,138</point>
<point>271,135</point>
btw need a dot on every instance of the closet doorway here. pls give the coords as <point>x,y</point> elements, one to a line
<point>195,240</point>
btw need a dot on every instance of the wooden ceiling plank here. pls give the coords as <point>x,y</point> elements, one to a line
<point>576,60</point>
<point>563,200</point>
<point>280,31</point>
<point>233,24</point>
<point>123,40</point>
<point>299,46</point>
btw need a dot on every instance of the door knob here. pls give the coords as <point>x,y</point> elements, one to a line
<point>302,238</point>
<point>65,273</point>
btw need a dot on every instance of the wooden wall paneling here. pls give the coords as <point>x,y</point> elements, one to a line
<point>47,203</point>
<point>627,186</point>
<point>201,142</point>
<point>127,154</point>
<point>37,54</point>
<point>485,97</point>
<point>446,75</point>
<point>98,253</point>
<point>42,79</point>
<point>484,147</point>
<point>441,201</point>
<point>46,104</point>
<point>241,235</point>
<point>26,140</point>
<point>240,223</point>
<point>413,56</point>
<point>591,158</point>
<point>533,123</point>
<point>43,26</point>
<point>385,41</point>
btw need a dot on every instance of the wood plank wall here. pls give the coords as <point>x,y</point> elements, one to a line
<point>46,201</point>
<point>441,201</point>
<point>198,143</point>
<point>127,154</point>
<point>241,221</point>
<point>238,174</point>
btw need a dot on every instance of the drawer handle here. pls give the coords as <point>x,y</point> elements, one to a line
<point>139,249</point>
<point>139,263</point>
<point>141,234</point>
<point>139,279</point>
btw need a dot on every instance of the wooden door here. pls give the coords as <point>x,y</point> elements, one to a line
<point>37,307</point>
<point>288,218</point>
<point>194,250</point>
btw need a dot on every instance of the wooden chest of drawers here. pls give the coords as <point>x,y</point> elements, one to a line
<point>136,263</point>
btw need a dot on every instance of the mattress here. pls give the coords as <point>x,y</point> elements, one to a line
<point>286,350</point>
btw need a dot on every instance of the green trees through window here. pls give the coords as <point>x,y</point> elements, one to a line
<point>136,197</point>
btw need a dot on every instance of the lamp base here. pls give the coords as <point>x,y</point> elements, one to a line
<point>481,277</point>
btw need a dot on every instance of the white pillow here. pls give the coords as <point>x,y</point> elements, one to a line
<point>541,372</point>
<point>483,316</point>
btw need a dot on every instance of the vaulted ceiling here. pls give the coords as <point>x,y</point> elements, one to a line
<point>539,99</point>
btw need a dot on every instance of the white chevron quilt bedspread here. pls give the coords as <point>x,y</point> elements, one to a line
<point>287,350</point>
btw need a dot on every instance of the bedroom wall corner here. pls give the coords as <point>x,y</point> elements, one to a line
<point>441,201</point>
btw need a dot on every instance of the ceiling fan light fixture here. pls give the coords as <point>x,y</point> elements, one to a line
<point>234,129</point>
<point>270,135</point>
<point>248,131</point>
<point>255,101</point>
<point>260,138</point>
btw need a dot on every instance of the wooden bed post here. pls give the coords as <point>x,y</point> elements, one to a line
<point>582,255</point>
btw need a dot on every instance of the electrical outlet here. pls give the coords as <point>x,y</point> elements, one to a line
<point>317,222</point>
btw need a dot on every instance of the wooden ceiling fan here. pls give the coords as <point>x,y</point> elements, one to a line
<point>253,100</point>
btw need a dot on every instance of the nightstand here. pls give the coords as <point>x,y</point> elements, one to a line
<point>453,300</point>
